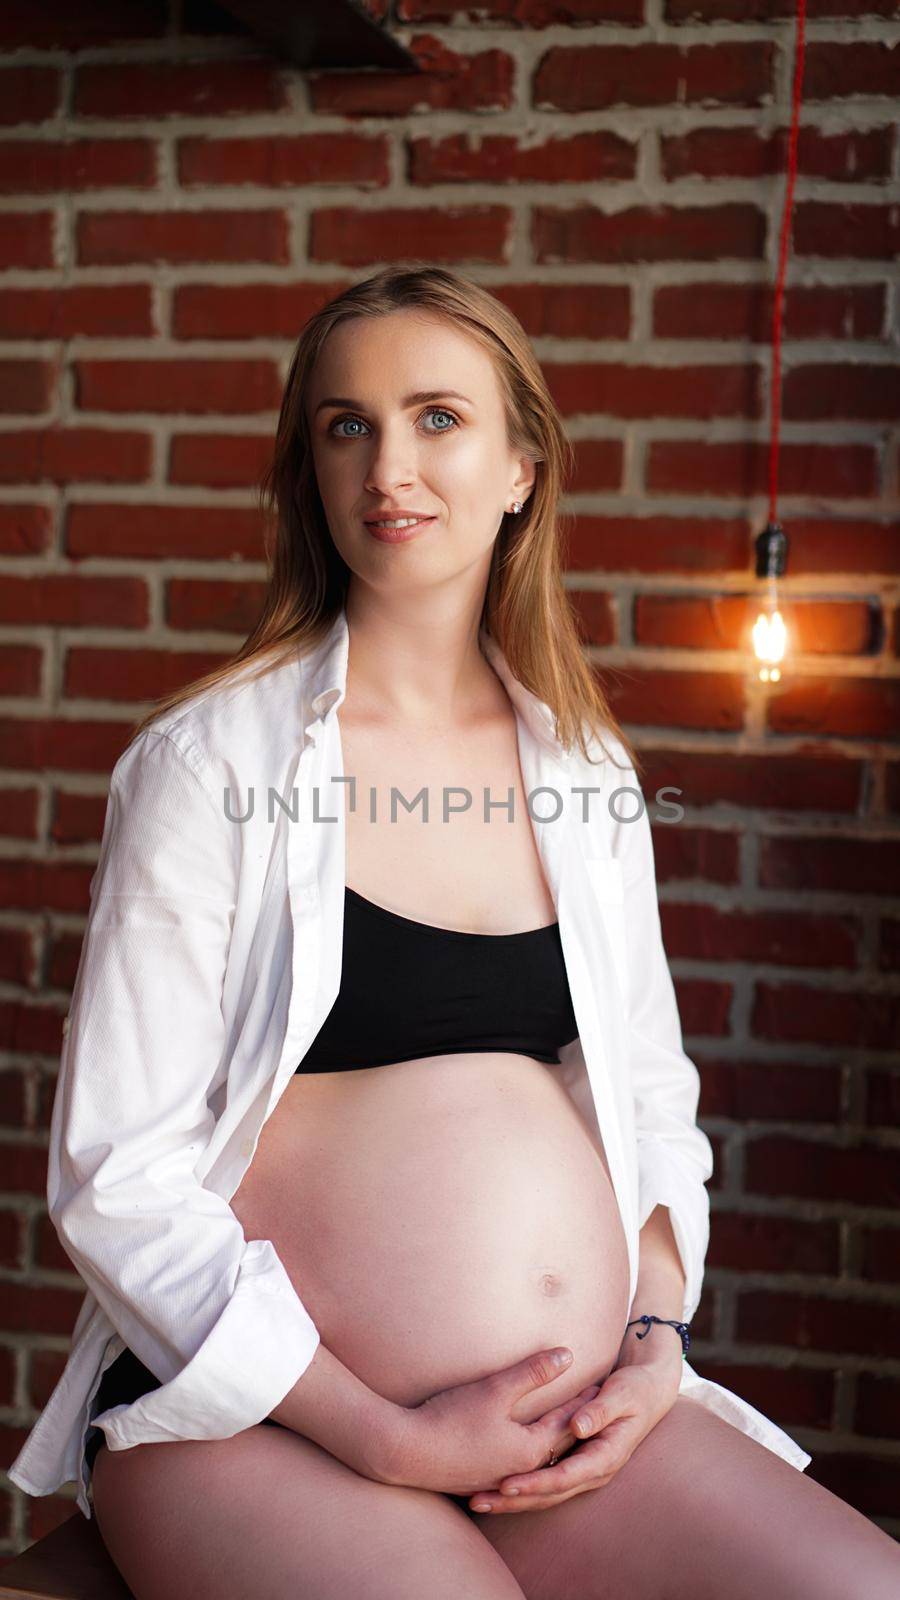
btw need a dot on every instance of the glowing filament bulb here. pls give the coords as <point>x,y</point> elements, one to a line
<point>769,644</point>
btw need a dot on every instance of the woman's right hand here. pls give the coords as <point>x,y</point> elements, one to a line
<point>465,1438</point>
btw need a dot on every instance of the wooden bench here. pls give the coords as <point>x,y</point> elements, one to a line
<point>71,1563</point>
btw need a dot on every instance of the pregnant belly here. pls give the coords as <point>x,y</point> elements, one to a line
<point>442,1218</point>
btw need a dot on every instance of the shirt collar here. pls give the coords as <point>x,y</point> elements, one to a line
<point>327,682</point>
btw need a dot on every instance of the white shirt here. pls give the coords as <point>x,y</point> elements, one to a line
<point>211,958</point>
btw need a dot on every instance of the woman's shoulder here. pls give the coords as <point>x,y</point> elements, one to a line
<point>242,725</point>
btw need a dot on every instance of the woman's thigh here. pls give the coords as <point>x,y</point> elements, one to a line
<point>269,1515</point>
<point>699,1511</point>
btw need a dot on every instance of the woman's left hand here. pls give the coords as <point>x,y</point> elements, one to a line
<point>628,1405</point>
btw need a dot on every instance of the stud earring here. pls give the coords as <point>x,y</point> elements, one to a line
<point>516,507</point>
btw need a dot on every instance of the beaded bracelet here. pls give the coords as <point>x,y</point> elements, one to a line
<point>683,1329</point>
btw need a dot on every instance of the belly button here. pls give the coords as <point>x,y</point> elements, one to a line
<point>551,1283</point>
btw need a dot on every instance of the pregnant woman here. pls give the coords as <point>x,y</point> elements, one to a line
<point>372,1099</point>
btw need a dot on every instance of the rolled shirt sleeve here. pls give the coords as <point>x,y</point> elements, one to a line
<point>214,1316</point>
<point>675,1159</point>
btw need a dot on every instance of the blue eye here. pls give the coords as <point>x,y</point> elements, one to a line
<point>439,411</point>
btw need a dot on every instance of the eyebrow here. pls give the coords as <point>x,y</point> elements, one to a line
<point>416,399</point>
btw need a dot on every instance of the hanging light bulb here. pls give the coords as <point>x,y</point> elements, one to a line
<point>769,632</point>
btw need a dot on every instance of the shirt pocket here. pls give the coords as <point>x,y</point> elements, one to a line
<point>607,884</point>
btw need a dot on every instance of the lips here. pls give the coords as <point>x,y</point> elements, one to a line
<point>388,535</point>
<point>397,516</point>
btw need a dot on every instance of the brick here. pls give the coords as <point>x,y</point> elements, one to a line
<point>27,385</point>
<point>75,166</point>
<point>598,465</point>
<point>246,310</point>
<point>880,1254</point>
<point>41,1308</point>
<point>450,80</point>
<point>134,674</point>
<point>853,155</point>
<point>889,945</point>
<point>569,310</point>
<point>77,819</point>
<point>794,1397</point>
<point>153,90</point>
<point>839,68</point>
<point>778,936</point>
<point>66,744</point>
<point>783,1165</point>
<point>844,544</point>
<point>58,454</point>
<point>877,1405</point>
<point>693,11</point>
<point>192,603</point>
<point>793,1013</point>
<point>31,884</point>
<point>676,699</point>
<point>195,386</point>
<point>831,862</point>
<point>120,238</point>
<point>107,311</point>
<point>870,1484</point>
<point>163,532</point>
<point>740,468</point>
<point>710,855</point>
<point>704,1005</point>
<point>29,94</point>
<point>58,27</point>
<point>859,707</point>
<point>600,156</point>
<point>274,161</point>
<point>219,461</point>
<point>657,543</point>
<point>742,1242</point>
<point>768,780</point>
<point>598,77</point>
<point>26,240</point>
<point>636,390</point>
<point>855,391</point>
<point>595,612</point>
<point>20,674</point>
<point>67,600</point>
<point>647,233</point>
<point>818,1322</point>
<point>724,622</point>
<point>449,233</point>
<point>769,1091</point>
<point>25,530</point>
<point>882,1099</point>
<point>745,310</point>
<point>831,228</point>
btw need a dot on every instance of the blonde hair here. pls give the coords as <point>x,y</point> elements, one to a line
<point>526,608</point>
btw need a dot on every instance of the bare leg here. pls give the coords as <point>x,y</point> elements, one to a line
<point>699,1512</point>
<point>269,1515</point>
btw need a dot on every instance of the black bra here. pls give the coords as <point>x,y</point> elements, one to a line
<point>409,989</point>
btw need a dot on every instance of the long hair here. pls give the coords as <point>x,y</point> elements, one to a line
<point>526,608</point>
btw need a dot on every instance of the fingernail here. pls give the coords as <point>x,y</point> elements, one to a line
<point>481,1505</point>
<point>509,1491</point>
<point>561,1358</point>
<point>581,1424</point>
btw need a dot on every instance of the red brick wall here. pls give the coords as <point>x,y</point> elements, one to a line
<point>175,203</point>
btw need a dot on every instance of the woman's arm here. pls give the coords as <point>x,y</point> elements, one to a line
<point>213,1316</point>
<point>660,1292</point>
<point>674,1156</point>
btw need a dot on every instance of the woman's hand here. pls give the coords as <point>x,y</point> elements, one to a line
<point>627,1406</point>
<point>467,1435</point>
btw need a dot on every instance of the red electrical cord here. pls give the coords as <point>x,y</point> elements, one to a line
<point>799,51</point>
